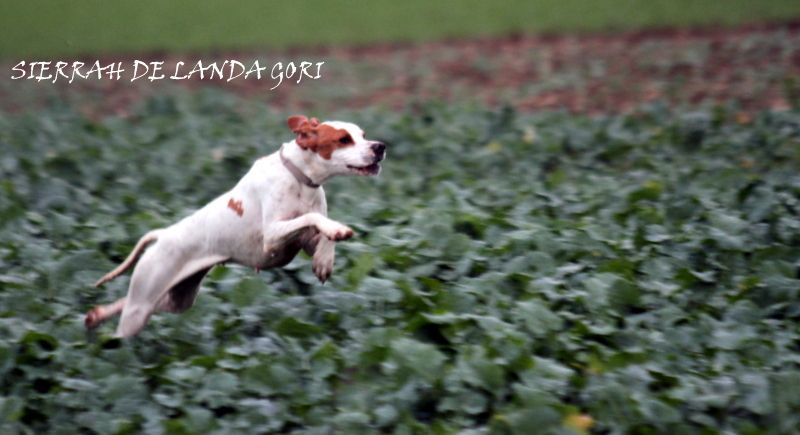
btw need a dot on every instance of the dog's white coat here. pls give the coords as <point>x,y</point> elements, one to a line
<point>275,216</point>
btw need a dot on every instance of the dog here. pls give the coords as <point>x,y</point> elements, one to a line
<point>274,211</point>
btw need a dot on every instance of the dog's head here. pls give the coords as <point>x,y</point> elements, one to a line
<point>341,146</point>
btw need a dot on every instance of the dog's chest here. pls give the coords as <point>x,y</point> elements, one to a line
<point>283,253</point>
<point>249,248</point>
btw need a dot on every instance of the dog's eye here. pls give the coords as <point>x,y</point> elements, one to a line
<point>346,140</point>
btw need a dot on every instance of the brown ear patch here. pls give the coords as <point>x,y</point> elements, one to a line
<point>304,128</point>
<point>319,138</point>
<point>295,121</point>
<point>298,123</point>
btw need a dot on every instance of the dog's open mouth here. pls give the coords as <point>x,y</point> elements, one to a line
<point>372,169</point>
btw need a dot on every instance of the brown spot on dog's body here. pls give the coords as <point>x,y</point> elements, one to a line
<point>319,138</point>
<point>236,206</point>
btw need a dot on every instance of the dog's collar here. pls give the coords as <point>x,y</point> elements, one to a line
<point>298,174</point>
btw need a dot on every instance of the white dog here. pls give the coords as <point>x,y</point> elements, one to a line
<point>275,210</point>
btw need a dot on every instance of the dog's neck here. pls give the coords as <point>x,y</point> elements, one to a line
<point>303,165</point>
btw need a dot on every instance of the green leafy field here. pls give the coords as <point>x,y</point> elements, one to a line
<point>634,274</point>
<point>52,27</point>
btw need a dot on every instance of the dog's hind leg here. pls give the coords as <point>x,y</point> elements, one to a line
<point>182,295</point>
<point>166,279</point>
<point>150,279</point>
<point>133,320</point>
<point>100,313</point>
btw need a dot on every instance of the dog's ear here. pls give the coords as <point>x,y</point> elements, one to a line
<point>305,129</point>
<point>295,123</point>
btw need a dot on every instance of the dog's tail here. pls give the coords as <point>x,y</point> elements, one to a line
<point>148,238</point>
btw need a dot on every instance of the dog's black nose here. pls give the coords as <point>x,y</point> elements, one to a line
<point>379,148</point>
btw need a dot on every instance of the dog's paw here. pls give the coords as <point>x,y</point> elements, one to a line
<point>93,318</point>
<point>322,261</point>
<point>337,232</point>
<point>323,268</point>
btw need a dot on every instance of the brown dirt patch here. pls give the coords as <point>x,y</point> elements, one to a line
<point>755,66</point>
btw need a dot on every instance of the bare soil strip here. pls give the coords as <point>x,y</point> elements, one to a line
<point>756,66</point>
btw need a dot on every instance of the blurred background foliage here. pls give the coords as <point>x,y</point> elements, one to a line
<point>633,274</point>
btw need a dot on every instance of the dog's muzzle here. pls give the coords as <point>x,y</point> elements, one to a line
<point>379,153</point>
<point>379,150</point>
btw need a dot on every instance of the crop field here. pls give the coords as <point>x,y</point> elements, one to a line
<point>616,274</point>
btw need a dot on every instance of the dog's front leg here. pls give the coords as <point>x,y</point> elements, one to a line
<point>323,254</point>
<point>276,231</point>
